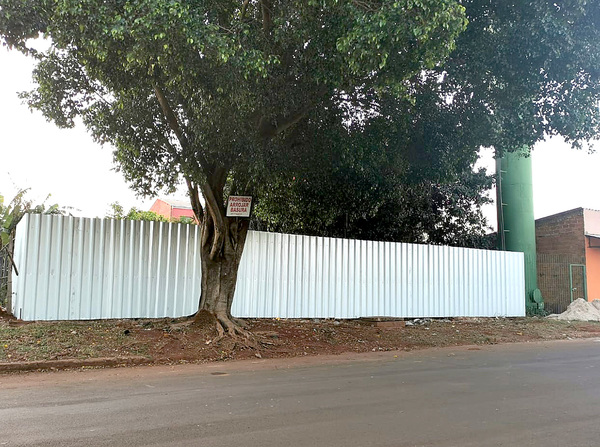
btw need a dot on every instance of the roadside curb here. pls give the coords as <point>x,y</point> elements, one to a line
<point>74,363</point>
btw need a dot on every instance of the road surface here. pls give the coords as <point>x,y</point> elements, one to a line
<point>512,395</point>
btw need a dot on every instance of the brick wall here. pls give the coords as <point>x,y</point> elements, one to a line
<point>561,234</point>
<point>560,242</point>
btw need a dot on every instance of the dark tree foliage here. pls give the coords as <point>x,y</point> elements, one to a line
<point>221,93</point>
<point>521,71</point>
<point>405,176</point>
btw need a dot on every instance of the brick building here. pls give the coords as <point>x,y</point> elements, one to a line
<point>568,249</point>
<point>173,209</point>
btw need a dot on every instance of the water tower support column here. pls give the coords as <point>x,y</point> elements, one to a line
<point>516,224</point>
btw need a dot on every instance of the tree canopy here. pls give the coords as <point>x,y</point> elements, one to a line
<point>524,70</point>
<point>180,86</point>
<point>520,72</point>
<point>407,175</point>
<point>226,93</point>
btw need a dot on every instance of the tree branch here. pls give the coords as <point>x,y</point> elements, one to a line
<point>212,188</point>
<point>214,205</point>
<point>195,200</point>
<point>268,129</point>
<point>366,6</point>
<point>173,123</point>
<point>202,161</point>
<point>267,19</point>
<point>244,9</point>
<point>170,115</point>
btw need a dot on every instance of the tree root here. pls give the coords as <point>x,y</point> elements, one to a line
<point>228,327</point>
<point>240,322</point>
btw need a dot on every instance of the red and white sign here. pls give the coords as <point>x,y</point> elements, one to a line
<point>239,206</point>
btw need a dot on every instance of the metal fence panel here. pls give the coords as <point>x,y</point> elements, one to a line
<point>77,268</point>
<point>291,276</point>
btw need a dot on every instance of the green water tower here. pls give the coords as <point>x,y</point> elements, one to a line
<point>516,224</point>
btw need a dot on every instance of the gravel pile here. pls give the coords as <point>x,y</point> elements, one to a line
<point>580,310</point>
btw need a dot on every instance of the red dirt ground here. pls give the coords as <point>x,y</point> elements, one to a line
<point>178,341</point>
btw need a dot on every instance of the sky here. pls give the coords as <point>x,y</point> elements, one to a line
<point>78,173</point>
<point>65,163</point>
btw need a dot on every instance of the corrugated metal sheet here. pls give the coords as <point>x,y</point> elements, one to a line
<point>76,268</point>
<point>293,276</point>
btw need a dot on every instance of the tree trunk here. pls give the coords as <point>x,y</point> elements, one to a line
<point>219,273</point>
<point>223,238</point>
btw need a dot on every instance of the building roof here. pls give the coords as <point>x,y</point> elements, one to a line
<point>177,203</point>
<point>595,238</point>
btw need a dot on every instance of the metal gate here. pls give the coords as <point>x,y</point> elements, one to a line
<point>577,281</point>
<point>561,279</point>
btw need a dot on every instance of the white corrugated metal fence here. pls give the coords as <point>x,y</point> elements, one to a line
<point>77,268</point>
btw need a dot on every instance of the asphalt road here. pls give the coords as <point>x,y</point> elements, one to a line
<point>512,395</point>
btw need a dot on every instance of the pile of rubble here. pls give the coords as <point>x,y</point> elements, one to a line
<point>580,310</point>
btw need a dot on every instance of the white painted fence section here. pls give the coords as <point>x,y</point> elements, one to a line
<point>76,268</point>
<point>304,276</point>
<point>79,269</point>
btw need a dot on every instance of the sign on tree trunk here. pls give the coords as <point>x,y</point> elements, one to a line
<point>239,206</point>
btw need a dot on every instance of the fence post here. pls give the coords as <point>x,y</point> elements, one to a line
<point>10,250</point>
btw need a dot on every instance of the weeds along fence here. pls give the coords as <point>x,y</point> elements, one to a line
<point>5,275</point>
<point>77,268</point>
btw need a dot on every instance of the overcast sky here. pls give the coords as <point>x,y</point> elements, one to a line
<point>77,172</point>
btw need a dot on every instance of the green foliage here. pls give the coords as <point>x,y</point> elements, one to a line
<point>359,204</point>
<point>12,213</point>
<point>117,212</point>
<point>185,220</point>
<point>525,70</point>
<point>135,214</point>
<point>235,77</point>
<point>519,72</point>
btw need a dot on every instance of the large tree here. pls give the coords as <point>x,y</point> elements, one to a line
<point>407,175</point>
<point>221,93</point>
<point>521,71</point>
<point>525,70</point>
